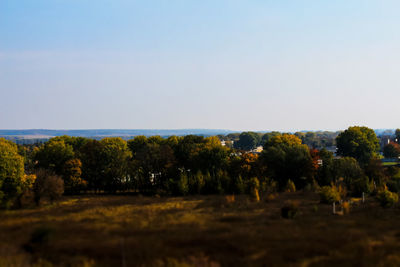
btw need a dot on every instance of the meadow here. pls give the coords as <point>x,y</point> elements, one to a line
<point>101,230</point>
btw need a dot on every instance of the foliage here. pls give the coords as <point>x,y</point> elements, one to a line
<point>247,141</point>
<point>53,155</point>
<point>196,183</point>
<point>286,158</point>
<point>360,143</point>
<point>329,194</point>
<point>47,185</point>
<point>72,176</point>
<point>360,185</point>
<point>11,172</point>
<point>345,207</point>
<point>239,185</point>
<point>391,150</point>
<point>182,185</point>
<point>115,155</point>
<point>386,198</point>
<point>254,186</point>
<point>290,186</point>
<point>376,171</point>
<point>325,173</point>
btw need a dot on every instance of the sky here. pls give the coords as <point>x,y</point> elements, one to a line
<point>218,64</point>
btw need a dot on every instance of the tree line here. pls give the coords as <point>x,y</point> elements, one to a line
<point>187,165</point>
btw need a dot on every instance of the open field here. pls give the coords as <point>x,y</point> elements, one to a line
<point>200,231</point>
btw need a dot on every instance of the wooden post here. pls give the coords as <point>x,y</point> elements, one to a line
<point>333,208</point>
<point>363,197</point>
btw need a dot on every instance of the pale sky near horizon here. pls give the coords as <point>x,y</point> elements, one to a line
<point>222,64</point>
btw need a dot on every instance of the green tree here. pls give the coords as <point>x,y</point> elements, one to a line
<point>115,155</point>
<point>53,154</point>
<point>397,133</point>
<point>92,164</point>
<point>360,143</point>
<point>247,141</point>
<point>325,173</point>
<point>287,158</point>
<point>391,150</point>
<point>11,172</point>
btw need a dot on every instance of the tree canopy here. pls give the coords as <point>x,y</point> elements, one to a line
<point>360,143</point>
<point>11,171</point>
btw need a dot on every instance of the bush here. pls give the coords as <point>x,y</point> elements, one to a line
<point>394,185</point>
<point>47,185</point>
<point>196,183</point>
<point>329,194</point>
<point>239,186</point>
<point>386,198</point>
<point>360,185</point>
<point>182,185</point>
<point>290,187</point>
<point>345,207</point>
<point>290,210</point>
<point>254,185</point>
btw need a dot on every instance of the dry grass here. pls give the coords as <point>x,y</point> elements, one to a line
<point>199,231</point>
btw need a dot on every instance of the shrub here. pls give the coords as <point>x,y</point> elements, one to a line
<point>290,187</point>
<point>290,210</point>
<point>329,194</point>
<point>254,185</point>
<point>196,183</point>
<point>394,185</point>
<point>360,185</point>
<point>48,185</point>
<point>345,207</point>
<point>183,185</point>
<point>387,199</point>
<point>239,186</point>
<point>230,199</point>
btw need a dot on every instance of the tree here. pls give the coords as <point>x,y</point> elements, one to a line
<point>325,174</point>
<point>266,137</point>
<point>72,176</point>
<point>398,135</point>
<point>360,143</point>
<point>287,158</point>
<point>247,141</point>
<point>92,164</point>
<point>11,172</point>
<point>53,155</point>
<point>115,155</point>
<point>348,170</point>
<point>47,184</point>
<point>391,150</point>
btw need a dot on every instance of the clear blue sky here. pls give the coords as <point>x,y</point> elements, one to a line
<point>240,65</point>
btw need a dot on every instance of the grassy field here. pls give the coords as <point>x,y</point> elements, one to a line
<point>198,231</point>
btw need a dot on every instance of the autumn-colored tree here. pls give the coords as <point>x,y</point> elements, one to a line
<point>115,157</point>
<point>11,172</point>
<point>72,173</point>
